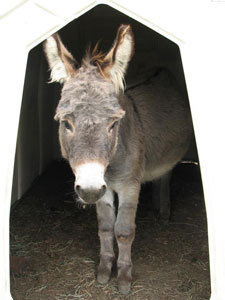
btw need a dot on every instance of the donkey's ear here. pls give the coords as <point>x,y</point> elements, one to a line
<point>116,61</point>
<point>61,62</point>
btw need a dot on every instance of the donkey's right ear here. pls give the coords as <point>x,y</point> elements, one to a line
<point>61,62</point>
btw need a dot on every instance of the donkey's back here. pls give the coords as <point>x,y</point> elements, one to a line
<point>164,117</point>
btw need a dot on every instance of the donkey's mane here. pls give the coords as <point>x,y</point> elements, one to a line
<point>99,59</point>
<point>95,57</point>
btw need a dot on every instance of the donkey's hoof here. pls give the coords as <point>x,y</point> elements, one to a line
<point>104,269</point>
<point>103,277</point>
<point>124,287</point>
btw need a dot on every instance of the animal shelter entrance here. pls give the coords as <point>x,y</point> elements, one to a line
<point>54,243</point>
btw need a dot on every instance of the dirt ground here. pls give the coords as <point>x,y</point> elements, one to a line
<point>55,246</point>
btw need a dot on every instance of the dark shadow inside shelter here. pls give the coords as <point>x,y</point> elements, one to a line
<point>54,243</point>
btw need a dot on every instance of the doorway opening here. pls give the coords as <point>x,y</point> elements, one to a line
<point>54,243</point>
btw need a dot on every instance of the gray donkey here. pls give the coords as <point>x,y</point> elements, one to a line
<point>114,141</point>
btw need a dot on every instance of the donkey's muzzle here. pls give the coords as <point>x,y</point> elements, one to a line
<point>90,185</point>
<point>90,195</point>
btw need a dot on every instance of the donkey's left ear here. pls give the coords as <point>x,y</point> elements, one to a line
<point>61,62</point>
<point>116,61</point>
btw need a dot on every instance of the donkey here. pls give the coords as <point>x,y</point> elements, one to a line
<point>115,141</point>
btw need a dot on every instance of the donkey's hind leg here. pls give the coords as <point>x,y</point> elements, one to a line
<point>161,196</point>
<point>106,219</point>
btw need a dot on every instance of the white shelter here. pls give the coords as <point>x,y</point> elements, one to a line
<point>196,27</point>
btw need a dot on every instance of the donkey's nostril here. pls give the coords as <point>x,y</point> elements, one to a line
<point>77,188</point>
<point>90,195</point>
<point>103,189</point>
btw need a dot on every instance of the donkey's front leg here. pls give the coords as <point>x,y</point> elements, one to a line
<point>106,220</point>
<point>125,233</point>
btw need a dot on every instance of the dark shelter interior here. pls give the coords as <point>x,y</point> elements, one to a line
<point>54,242</point>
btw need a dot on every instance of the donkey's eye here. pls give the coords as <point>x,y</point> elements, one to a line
<point>67,125</point>
<point>112,126</point>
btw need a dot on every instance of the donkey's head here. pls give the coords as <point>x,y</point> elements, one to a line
<point>89,111</point>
